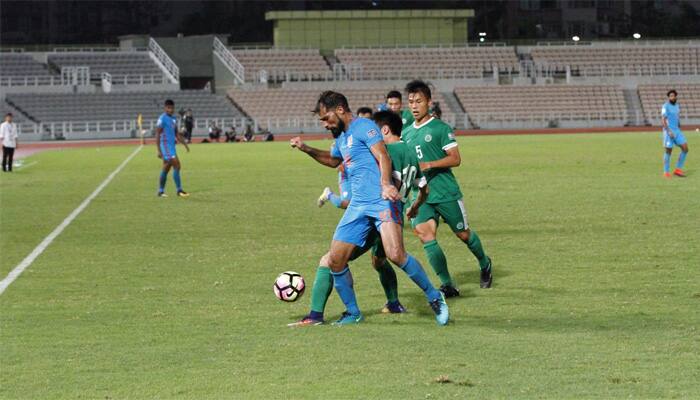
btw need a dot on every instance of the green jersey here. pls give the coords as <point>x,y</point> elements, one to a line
<point>405,169</point>
<point>406,118</point>
<point>430,141</point>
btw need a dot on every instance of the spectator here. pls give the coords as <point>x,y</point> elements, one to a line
<point>231,134</point>
<point>189,125</point>
<point>8,135</point>
<point>214,132</point>
<point>248,135</point>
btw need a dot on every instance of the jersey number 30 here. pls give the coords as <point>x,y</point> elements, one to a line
<point>408,176</point>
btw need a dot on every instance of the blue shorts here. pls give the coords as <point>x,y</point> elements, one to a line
<point>345,187</point>
<point>168,152</point>
<point>359,221</point>
<point>678,140</point>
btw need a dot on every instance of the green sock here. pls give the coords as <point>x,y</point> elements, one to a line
<point>474,244</point>
<point>323,285</point>
<point>387,277</point>
<point>437,260</point>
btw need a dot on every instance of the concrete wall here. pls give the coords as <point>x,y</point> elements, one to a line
<point>329,30</point>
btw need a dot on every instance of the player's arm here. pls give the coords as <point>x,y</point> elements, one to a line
<point>451,159</point>
<point>389,191</point>
<point>664,122</point>
<point>423,192</point>
<point>182,140</point>
<point>159,131</point>
<point>321,156</point>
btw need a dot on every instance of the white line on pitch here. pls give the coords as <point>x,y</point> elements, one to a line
<point>25,166</point>
<point>17,271</point>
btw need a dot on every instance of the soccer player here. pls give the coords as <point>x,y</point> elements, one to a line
<point>673,136</point>
<point>406,174</point>
<point>359,146</point>
<point>436,148</point>
<point>393,101</point>
<point>166,136</point>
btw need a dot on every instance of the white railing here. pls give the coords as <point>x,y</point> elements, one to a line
<point>106,82</point>
<point>598,70</point>
<point>229,60</point>
<point>163,60</point>
<point>428,46</point>
<point>478,118</point>
<point>87,49</point>
<point>140,80</point>
<point>28,81</point>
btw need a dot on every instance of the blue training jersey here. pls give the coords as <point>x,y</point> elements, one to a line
<point>362,169</point>
<point>672,114</point>
<point>169,125</point>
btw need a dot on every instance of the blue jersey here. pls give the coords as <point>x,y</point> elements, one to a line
<point>362,169</point>
<point>672,114</point>
<point>169,125</point>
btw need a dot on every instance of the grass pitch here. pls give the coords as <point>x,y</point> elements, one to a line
<point>596,294</point>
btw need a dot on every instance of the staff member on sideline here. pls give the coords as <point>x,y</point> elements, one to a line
<point>8,135</point>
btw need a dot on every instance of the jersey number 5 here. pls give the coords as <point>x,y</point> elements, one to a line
<point>419,153</point>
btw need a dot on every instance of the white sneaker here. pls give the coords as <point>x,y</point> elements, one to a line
<point>324,197</point>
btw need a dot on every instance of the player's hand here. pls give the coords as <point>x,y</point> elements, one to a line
<point>389,192</point>
<point>424,166</point>
<point>296,142</point>
<point>160,155</point>
<point>412,211</point>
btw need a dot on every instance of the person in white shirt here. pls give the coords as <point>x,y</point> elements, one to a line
<point>8,136</point>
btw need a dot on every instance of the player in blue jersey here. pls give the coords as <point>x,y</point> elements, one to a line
<point>670,119</point>
<point>374,205</point>
<point>342,199</point>
<point>167,135</point>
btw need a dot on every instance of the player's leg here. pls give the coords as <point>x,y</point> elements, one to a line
<point>176,177</point>
<point>387,277</point>
<point>668,149</point>
<point>10,158</point>
<point>163,177</point>
<point>392,238</point>
<point>455,215</point>
<point>338,258</point>
<point>5,154</point>
<point>683,144</point>
<point>425,227</point>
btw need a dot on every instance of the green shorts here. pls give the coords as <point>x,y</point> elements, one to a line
<point>452,212</point>
<point>373,243</point>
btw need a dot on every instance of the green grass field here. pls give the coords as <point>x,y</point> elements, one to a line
<point>596,294</point>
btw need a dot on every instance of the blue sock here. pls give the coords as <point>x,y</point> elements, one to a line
<point>667,162</point>
<point>176,178</point>
<point>163,178</point>
<point>415,271</point>
<point>681,159</point>
<point>335,199</point>
<point>342,282</point>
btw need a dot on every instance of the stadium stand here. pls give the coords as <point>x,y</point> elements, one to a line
<point>282,64</point>
<point>21,65</point>
<point>653,96</point>
<point>592,60</point>
<point>272,107</point>
<point>430,62</point>
<point>552,102</point>
<point>119,106</point>
<point>118,63</point>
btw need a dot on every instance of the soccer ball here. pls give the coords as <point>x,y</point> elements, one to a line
<point>289,286</point>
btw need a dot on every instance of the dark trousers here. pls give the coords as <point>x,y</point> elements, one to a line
<point>7,154</point>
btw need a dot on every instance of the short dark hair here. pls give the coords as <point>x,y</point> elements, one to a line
<point>671,91</point>
<point>169,102</point>
<point>394,94</point>
<point>331,100</point>
<point>419,87</point>
<point>9,114</point>
<point>390,119</point>
<point>364,110</point>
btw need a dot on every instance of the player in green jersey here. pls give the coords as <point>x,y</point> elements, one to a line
<point>436,148</point>
<point>407,176</point>
<point>394,103</point>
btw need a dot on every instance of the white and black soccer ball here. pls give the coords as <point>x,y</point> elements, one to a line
<point>289,286</point>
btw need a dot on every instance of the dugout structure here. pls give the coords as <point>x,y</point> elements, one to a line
<point>329,30</point>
